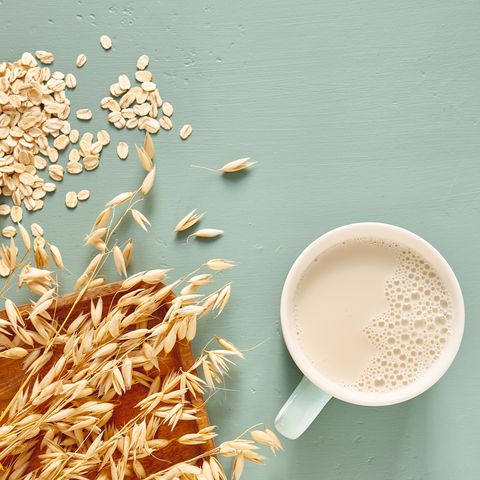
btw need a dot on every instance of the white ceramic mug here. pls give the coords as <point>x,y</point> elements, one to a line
<point>315,389</point>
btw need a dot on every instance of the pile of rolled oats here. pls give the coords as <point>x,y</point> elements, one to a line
<point>34,126</point>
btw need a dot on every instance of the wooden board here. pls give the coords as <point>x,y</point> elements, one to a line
<point>12,375</point>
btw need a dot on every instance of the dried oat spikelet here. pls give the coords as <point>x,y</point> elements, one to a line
<point>128,252</point>
<point>119,261</point>
<point>27,242</point>
<point>140,219</point>
<point>229,346</point>
<point>56,256</point>
<point>120,198</point>
<point>148,182</point>
<point>220,264</point>
<point>103,217</point>
<point>188,220</point>
<point>144,158</point>
<point>14,353</point>
<point>222,300</point>
<point>231,167</point>
<point>268,438</point>
<point>148,146</point>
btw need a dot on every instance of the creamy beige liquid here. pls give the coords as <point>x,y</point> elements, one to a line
<point>372,315</point>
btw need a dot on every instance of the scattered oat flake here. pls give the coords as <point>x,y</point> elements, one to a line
<point>149,86</point>
<point>106,42</point>
<point>4,209</point>
<point>122,150</point>
<point>185,131</point>
<point>9,231</point>
<point>70,81</point>
<point>166,123</point>
<point>124,82</point>
<point>142,62</point>
<point>37,230</point>
<point>71,200</point>
<point>83,195</point>
<point>103,137</point>
<point>45,57</point>
<point>84,114</point>
<point>81,60</point>
<point>167,109</point>
<point>16,214</point>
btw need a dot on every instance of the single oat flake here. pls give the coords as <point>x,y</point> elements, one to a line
<point>84,114</point>
<point>83,195</point>
<point>122,150</point>
<point>106,42</point>
<point>81,60</point>
<point>185,131</point>
<point>142,62</point>
<point>71,200</point>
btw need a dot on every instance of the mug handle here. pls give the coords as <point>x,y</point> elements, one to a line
<point>301,409</point>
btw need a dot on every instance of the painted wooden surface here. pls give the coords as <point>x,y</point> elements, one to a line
<point>355,110</point>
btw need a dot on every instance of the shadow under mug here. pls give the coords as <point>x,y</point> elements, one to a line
<point>316,389</point>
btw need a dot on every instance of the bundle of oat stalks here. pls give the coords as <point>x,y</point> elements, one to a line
<point>59,424</point>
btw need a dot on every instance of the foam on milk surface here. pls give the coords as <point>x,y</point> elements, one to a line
<point>372,315</point>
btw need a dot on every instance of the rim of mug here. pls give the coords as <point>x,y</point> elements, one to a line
<point>382,231</point>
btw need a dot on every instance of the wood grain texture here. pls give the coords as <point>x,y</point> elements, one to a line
<point>181,357</point>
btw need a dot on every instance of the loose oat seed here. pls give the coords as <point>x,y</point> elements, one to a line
<point>207,233</point>
<point>45,57</point>
<point>122,150</point>
<point>166,123</point>
<point>56,172</point>
<point>9,232</point>
<point>106,42</point>
<point>61,142</point>
<point>124,82</point>
<point>71,200</point>
<point>37,230</point>
<point>49,187</point>
<point>185,131</point>
<point>143,76</point>
<point>84,114</point>
<point>91,162</point>
<point>142,62</point>
<point>81,60</point>
<point>16,214</point>
<point>237,165</point>
<point>74,135</point>
<point>103,137</point>
<point>167,109</point>
<point>149,86</point>
<point>70,81</point>
<point>74,168</point>
<point>4,209</point>
<point>83,195</point>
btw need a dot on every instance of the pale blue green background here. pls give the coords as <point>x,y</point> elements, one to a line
<point>355,110</point>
